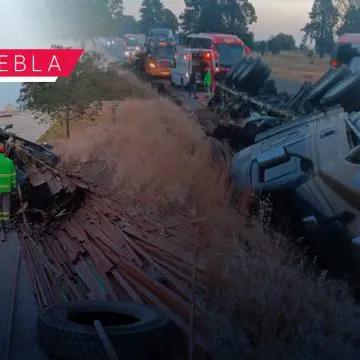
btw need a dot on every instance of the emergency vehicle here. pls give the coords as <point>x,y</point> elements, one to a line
<point>228,49</point>
<point>189,60</point>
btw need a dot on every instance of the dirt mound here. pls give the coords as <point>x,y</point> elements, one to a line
<point>152,152</point>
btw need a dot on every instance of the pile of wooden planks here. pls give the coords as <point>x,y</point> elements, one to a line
<point>107,251</point>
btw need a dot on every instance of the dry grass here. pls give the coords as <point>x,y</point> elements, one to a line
<point>264,303</point>
<point>128,86</point>
<point>296,66</point>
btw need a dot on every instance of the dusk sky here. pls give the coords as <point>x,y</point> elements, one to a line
<point>274,16</point>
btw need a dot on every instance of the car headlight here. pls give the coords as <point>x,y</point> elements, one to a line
<point>137,48</point>
<point>187,75</point>
<point>126,53</point>
<point>152,65</point>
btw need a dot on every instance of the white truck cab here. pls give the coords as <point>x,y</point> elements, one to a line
<point>190,60</point>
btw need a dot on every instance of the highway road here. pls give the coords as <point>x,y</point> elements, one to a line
<point>22,344</point>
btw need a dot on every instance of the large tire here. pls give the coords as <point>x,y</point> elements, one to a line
<point>329,80</point>
<point>243,66</point>
<point>345,93</point>
<point>234,68</point>
<point>66,332</point>
<point>253,78</point>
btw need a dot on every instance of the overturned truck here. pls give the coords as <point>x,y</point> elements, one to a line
<point>301,151</point>
<point>248,102</point>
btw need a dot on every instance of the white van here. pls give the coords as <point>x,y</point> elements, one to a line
<point>189,60</point>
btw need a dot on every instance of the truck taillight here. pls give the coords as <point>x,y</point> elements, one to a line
<point>334,64</point>
<point>207,55</point>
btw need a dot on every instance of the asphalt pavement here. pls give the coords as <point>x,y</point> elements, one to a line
<point>17,334</point>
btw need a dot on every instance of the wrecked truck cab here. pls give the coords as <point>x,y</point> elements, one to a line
<point>310,169</point>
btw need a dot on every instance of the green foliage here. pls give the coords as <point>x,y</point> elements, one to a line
<point>351,22</point>
<point>91,82</point>
<point>169,20</point>
<point>153,14</point>
<point>232,16</point>
<point>276,44</point>
<point>261,47</point>
<point>323,19</point>
<point>127,25</point>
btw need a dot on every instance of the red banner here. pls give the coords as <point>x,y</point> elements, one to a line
<point>37,63</point>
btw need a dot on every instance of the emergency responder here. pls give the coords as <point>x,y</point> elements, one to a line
<point>7,185</point>
<point>207,81</point>
<point>192,83</point>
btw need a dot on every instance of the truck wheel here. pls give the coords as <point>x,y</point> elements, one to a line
<point>135,331</point>
<point>330,78</point>
<point>253,79</point>
<point>233,70</point>
<point>241,69</point>
<point>344,93</point>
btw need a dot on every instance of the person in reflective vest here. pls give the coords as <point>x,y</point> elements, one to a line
<point>7,185</point>
<point>207,81</point>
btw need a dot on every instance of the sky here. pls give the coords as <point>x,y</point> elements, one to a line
<point>20,26</point>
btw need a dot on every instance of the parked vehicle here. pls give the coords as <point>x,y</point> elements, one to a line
<point>229,49</point>
<point>189,60</point>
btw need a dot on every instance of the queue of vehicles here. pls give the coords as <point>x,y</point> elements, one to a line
<point>162,56</point>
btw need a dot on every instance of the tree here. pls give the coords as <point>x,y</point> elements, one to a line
<point>286,42</point>
<point>169,20</point>
<point>323,19</point>
<point>151,14</point>
<point>229,16</point>
<point>127,25</point>
<point>116,9</point>
<point>261,47</point>
<point>71,98</point>
<point>351,21</point>
<point>274,46</point>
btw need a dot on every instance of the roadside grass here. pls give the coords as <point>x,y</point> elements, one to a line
<point>296,66</point>
<point>129,87</point>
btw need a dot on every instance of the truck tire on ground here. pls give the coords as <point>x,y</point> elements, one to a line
<point>234,68</point>
<point>344,93</point>
<point>331,78</point>
<point>66,331</point>
<point>243,66</point>
<point>253,78</point>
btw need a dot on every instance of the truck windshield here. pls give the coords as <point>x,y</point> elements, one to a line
<point>168,54</point>
<point>229,53</point>
<point>131,42</point>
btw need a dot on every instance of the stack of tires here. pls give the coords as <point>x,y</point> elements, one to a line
<point>248,75</point>
<point>337,87</point>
